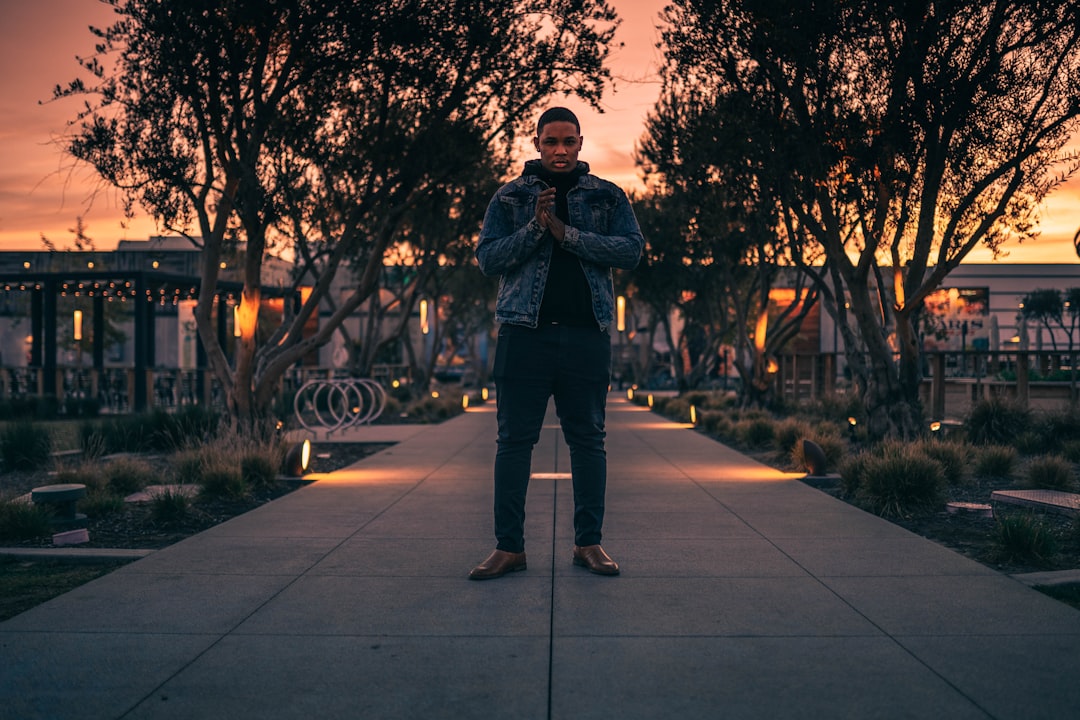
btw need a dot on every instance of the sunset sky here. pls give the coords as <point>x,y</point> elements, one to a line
<point>40,193</point>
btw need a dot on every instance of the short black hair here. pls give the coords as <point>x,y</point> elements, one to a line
<point>557,114</point>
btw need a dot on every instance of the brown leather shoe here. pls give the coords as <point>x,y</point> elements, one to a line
<point>498,564</point>
<point>595,559</point>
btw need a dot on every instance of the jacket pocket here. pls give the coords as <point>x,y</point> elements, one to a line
<point>600,206</point>
<point>519,205</point>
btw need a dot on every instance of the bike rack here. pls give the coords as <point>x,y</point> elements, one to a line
<point>332,405</point>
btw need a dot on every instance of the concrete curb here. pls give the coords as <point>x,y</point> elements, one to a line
<point>76,555</point>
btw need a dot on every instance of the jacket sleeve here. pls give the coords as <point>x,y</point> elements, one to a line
<point>502,246</point>
<point>620,248</point>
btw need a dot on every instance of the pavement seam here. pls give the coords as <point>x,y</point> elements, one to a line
<point>551,600</point>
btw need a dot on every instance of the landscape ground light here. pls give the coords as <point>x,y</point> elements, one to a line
<point>297,459</point>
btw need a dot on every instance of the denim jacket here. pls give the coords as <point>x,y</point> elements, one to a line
<point>602,232</point>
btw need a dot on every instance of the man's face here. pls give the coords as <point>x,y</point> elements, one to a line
<point>558,145</point>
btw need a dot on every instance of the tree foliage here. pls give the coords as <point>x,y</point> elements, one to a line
<point>900,135</point>
<point>718,241</point>
<point>313,127</point>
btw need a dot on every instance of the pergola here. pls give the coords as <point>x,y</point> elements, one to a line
<point>144,290</point>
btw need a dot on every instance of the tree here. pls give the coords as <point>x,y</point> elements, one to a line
<point>311,127</point>
<point>902,135</point>
<point>717,234</point>
<point>1046,307</point>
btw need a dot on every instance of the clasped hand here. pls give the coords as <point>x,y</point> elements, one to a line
<point>545,214</point>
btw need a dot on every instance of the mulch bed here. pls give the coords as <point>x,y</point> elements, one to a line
<point>134,527</point>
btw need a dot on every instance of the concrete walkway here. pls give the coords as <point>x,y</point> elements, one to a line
<point>744,594</point>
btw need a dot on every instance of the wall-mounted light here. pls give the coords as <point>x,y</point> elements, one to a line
<point>78,325</point>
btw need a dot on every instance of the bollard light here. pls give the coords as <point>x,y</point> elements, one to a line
<point>464,402</point>
<point>814,458</point>
<point>78,324</point>
<point>650,399</point>
<point>630,394</point>
<point>297,459</point>
<point>484,394</point>
<point>693,415</point>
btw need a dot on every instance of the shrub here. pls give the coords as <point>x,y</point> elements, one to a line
<point>101,501</point>
<point>1032,442</point>
<point>20,520</point>
<point>700,398</point>
<point>86,474</point>
<point>756,432</point>
<point>190,424</point>
<point>125,433</point>
<point>1022,537</point>
<point>169,506</point>
<point>677,409</point>
<point>954,458</point>
<point>47,407</point>
<point>223,480</point>
<point>995,461</point>
<point>25,446</point>
<point>187,467</point>
<point>830,443</point>
<point>789,434</point>
<point>260,470</point>
<point>92,441</point>
<point>81,407</point>
<point>852,470</point>
<point>715,422</point>
<point>900,480</point>
<point>430,410</point>
<point>1057,426</point>
<point>1070,450</point>
<point>1052,472</point>
<point>996,421</point>
<point>128,475</point>
<point>834,409</point>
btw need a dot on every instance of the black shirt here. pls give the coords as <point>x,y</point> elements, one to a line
<point>567,298</point>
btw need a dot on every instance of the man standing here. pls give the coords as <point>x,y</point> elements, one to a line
<point>553,236</point>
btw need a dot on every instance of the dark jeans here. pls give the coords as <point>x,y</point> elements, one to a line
<point>573,365</point>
